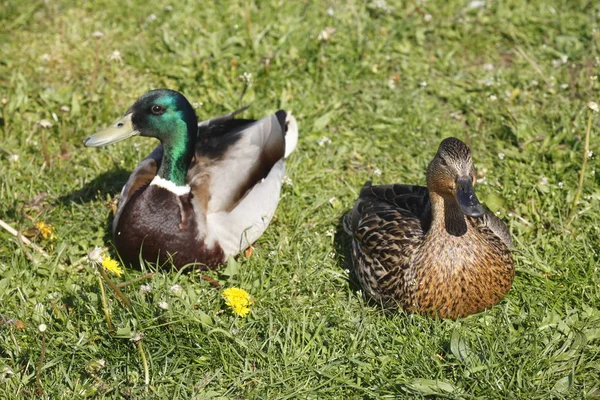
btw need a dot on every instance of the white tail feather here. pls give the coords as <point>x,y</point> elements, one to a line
<point>291,136</point>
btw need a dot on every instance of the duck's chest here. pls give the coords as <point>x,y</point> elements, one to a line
<point>461,274</point>
<point>160,226</point>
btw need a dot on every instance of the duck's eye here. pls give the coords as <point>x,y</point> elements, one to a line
<point>157,109</point>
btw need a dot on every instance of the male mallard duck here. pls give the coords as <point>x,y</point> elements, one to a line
<point>433,250</point>
<point>208,191</point>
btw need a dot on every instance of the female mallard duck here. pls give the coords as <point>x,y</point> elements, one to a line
<point>208,191</point>
<point>433,250</point>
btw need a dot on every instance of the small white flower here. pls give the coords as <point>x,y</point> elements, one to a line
<point>334,201</point>
<point>456,115</point>
<point>488,67</point>
<point>510,214</point>
<point>594,78</point>
<point>476,4</point>
<point>197,104</point>
<point>42,328</point>
<point>427,17</point>
<point>95,256</point>
<point>493,97</point>
<point>423,84</point>
<point>272,253</point>
<point>377,172</point>
<point>97,34</point>
<point>287,181</point>
<point>145,289</point>
<point>13,158</point>
<point>163,304</point>
<point>564,59</point>
<point>592,105</point>
<point>45,124</point>
<point>330,12</point>
<point>65,109</point>
<point>564,86</point>
<point>544,181</point>
<point>590,154</point>
<point>176,290</point>
<point>324,141</point>
<point>381,5</point>
<point>246,77</point>
<point>489,82</point>
<point>137,337</point>
<point>45,57</point>
<point>116,56</point>
<point>168,8</point>
<point>151,17</point>
<point>326,34</point>
<point>501,156</point>
<point>534,82</point>
<point>561,185</point>
<point>330,233</point>
<point>392,84</point>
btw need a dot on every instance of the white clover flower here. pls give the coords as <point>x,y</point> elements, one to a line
<point>13,158</point>
<point>65,109</point>
<point>564,86</point>
<point>42,328</point>
<point>427,17</point>
<point>168,8</point>
<point>488,67</point>
<point>116,56</point>
<point>330,12</point>
<point>423,84</point>
<point>176,290</point>
<point>534,82</point>
<point>590,154</point>
<point>145,289</point>
<point>330,233</point>
<point>197,104</point>
<point>45,124</point>
<point>326,34</point>
<point>151,18</point>
<point>324,141</point>
<point>377,172</point>
<point>561,185</point>
<point>493,97</point>
<point>46,57</point>
<point>476,4</point>
<point>137,337</point>
<point>163,304</point>
<point>392,84</point>
<point>287,181</point>
<point>592,105</point>
<point>97,34</point>
<point>501,156</point>
<point>489,82</point>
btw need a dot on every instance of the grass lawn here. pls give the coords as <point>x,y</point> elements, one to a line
<point>375,86</point>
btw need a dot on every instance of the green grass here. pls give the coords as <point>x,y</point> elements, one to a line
<point>509,78</point>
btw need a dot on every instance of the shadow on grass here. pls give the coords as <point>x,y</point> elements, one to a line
<point>110,182</point>
<point>107,183</point>
<point>343,250</point>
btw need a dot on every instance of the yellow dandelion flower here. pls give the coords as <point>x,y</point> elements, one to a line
<point>112,266</point>
<point>239,300</point>
<point>47,231</point>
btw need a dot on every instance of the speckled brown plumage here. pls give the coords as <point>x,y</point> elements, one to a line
<point>415,247</point>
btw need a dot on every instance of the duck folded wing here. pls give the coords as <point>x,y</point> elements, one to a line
<point>390,201</point>
<point>232,156</point>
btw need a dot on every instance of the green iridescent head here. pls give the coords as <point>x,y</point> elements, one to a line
<point>163,114</point>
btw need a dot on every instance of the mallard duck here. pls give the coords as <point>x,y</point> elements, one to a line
<point>432,250</point>
<point>207,192</point>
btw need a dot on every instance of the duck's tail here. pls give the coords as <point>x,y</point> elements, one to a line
<point>291,133</point>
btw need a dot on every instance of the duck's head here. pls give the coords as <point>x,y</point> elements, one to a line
<point>451,175</point>
<point>163,114</point>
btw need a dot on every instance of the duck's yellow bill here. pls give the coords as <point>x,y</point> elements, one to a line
<point>119,130</point>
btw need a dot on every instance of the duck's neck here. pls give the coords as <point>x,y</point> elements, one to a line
<point>178,151</point>
<point>446,215</point>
